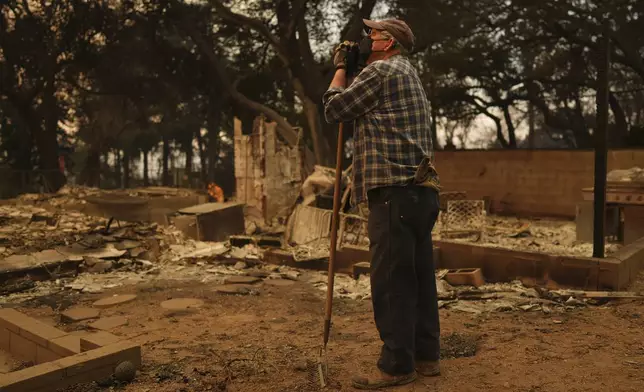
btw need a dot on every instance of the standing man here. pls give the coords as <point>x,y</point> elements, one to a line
<point>393,172</point>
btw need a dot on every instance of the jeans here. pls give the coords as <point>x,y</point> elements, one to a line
<point>403,284</point>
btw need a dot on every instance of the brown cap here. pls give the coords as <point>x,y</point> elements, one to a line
<point>397,28</point>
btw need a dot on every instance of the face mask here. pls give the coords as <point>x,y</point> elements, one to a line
<point>365,48</point>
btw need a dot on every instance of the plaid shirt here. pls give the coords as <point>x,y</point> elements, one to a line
<point>392,125</point>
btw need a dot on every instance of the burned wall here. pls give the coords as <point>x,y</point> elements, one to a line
<point>268,173</point>
<point>527,182</point>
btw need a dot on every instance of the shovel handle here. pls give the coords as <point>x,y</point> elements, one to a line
<point>337,186</point>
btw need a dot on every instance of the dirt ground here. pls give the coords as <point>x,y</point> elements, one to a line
<point>268,341</point>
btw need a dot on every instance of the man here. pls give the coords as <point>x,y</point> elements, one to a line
<point>394,173</point>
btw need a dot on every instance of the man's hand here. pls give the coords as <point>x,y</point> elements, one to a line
<point>340,55</point>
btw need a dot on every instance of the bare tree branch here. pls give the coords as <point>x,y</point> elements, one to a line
<point>253,24</point>
<point>284,127</point>
<point>353,29</point>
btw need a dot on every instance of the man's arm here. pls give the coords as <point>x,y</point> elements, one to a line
<point>339,79</point>
<point>361,97</point>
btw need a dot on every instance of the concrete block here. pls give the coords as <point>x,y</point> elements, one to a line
<point>53,372</point>
<point>5,335</point>
<point>43,377</point>
<point>22,348</point>
<point>97,340</point>
<point>11,319</point>
<point>465,277</point>
<point>40,333</point>
<point>29,328</point>
<point>101,357</point>
<point>65,346</point>
<point>44,355</point>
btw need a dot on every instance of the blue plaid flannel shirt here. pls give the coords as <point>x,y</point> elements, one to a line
<point>392,131</point>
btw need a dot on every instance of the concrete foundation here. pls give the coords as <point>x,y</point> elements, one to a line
<point>59,358</point>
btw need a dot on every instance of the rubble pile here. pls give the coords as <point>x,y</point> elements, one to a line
<point>546,236</point>
<point>25,229</point>
<point>497,297</point>
<point>634,174</point>
<point>67,195</point>
<point>129,253</point>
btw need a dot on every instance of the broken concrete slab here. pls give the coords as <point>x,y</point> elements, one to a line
<point>259,274</point>
<point>241,280</point>
<point>127,245</point>
<point>138,251</point>
<point>78,314</point>
<point>116,300</point>
<point>240,265</point>
<point>49,256</point>
<point>78,252</point>
<point>34,259</point>
<point>208,250</point>
<point>44,266</point>
<point>97,266</point>
<point>109,323</point>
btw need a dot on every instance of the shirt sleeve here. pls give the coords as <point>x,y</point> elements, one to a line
<point>361,97</point>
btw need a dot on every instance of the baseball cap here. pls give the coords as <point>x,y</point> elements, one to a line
<point>397,28</point>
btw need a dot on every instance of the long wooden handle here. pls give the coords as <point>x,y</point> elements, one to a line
<point>334,235</point>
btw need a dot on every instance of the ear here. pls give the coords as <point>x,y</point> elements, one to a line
<point>391,44</point>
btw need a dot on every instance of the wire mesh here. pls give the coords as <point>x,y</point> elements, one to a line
<point>446,197</point>
<point>463,217</point>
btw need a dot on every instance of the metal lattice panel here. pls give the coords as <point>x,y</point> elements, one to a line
<point>463,216</point>
<point>446,197</point>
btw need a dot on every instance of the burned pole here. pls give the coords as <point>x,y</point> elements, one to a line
<point>601,141</point>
